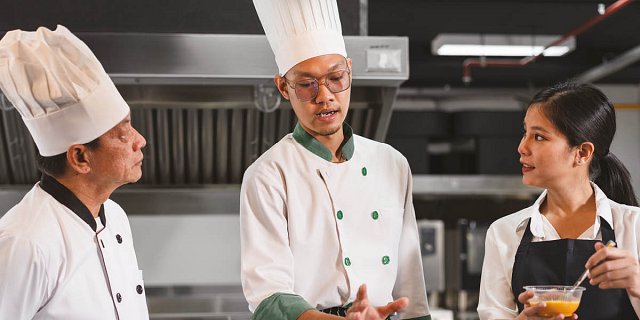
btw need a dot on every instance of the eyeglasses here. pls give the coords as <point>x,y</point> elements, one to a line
<point>307,89</point>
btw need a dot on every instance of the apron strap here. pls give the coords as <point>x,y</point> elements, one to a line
<point>527,237</point>
<point>606,231</point>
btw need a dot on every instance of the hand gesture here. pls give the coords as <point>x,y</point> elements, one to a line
<point>362,310</point>
<point>612,267</point>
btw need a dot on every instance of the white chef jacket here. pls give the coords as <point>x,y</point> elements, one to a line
<point>53,265</point>
<point>504,235</point>
<point>317,230</point>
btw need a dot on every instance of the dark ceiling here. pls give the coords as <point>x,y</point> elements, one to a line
<point>420,20</point>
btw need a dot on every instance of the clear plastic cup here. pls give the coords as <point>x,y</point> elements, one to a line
<point>563,300</point>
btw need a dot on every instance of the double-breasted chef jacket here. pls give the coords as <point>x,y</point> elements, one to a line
<point>505,237</point>
<point>313,231</point>
<point>58,262</point>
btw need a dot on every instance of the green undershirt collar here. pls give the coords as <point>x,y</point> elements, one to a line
<point>310,143</point>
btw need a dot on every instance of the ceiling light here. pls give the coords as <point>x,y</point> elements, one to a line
<point>448,44</point>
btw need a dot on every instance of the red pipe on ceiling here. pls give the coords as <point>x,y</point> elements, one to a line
<point>512,63</point>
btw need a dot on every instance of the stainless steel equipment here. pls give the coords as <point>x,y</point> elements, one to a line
<point>465,248</point>
<point>432,247</point>
<point>473,236</point>
<point>200,101</point>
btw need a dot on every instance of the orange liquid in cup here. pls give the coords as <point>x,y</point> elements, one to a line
<point>556,307</point>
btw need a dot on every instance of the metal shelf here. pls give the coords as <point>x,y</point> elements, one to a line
<point>481,185</point>
<point>217,199</point>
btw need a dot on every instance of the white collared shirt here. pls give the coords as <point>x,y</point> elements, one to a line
<point>504,235</point>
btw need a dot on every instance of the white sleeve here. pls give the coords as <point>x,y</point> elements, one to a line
<point>410,278</point>
<point>496,299</point>
<point>266,258</point>
<point>23,279</point>
<point>634,231</point>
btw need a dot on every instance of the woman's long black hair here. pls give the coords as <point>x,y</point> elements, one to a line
<point>584,114</point>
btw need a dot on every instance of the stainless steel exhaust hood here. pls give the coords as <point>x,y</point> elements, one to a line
<point>207,103</point>
<point>219,59</point>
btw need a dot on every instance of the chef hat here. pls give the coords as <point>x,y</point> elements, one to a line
<point>59,87</point>
<point>300,29</point>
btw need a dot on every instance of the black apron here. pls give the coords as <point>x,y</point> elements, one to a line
<point>561,262</point>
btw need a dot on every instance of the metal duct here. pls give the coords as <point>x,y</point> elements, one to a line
<point>194,99</point>
<point>610,67</point>
<point>186,145</point>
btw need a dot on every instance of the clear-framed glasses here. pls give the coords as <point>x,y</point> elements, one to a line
<point>307,89</point>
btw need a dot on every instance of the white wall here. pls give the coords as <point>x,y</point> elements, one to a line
<point>626,144</point>
<point>188,250</point>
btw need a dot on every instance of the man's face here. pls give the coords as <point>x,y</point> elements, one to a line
<point>118,158</point>
<point>323,114</point>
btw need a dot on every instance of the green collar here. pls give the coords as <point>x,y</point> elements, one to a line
<point>313,145</point>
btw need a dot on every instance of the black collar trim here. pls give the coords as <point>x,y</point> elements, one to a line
<point>69,200</point>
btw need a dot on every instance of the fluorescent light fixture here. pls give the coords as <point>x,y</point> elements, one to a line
<point>449,44</point>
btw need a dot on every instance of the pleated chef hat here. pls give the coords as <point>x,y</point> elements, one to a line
<point>298,30</point>
<point>59,87</point>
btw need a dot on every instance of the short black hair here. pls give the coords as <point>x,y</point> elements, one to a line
<point>55,166</point>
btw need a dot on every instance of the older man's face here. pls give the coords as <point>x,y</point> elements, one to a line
<point>118,158</point>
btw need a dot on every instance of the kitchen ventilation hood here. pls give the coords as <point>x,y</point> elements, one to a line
<point>207,105</point>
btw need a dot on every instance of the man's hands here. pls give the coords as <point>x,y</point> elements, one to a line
<point>362,310</point>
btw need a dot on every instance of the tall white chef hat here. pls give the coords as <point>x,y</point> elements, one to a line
<point>298,30</point>
<point>59,87</point>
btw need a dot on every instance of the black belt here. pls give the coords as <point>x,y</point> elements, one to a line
<point>336,311</point>
<point>339,311</point>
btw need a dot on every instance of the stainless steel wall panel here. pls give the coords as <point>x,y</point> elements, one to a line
<point>284,122</point>
<point>4,156</point>
<point>252,136</point>
<point>208,143</point>
<point>137,121</point>
<point>236,146</point>
<point>368,129</point>
<point>222,146</point>
<point>18,140</point>
<point>177,145</point>
<point>268,131</point>
<point>32,172</point>
<point>9,132</point>
<point>162,146</point>
<point>356,120</point>
<point>192,152</point>
<point>142,120</point>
